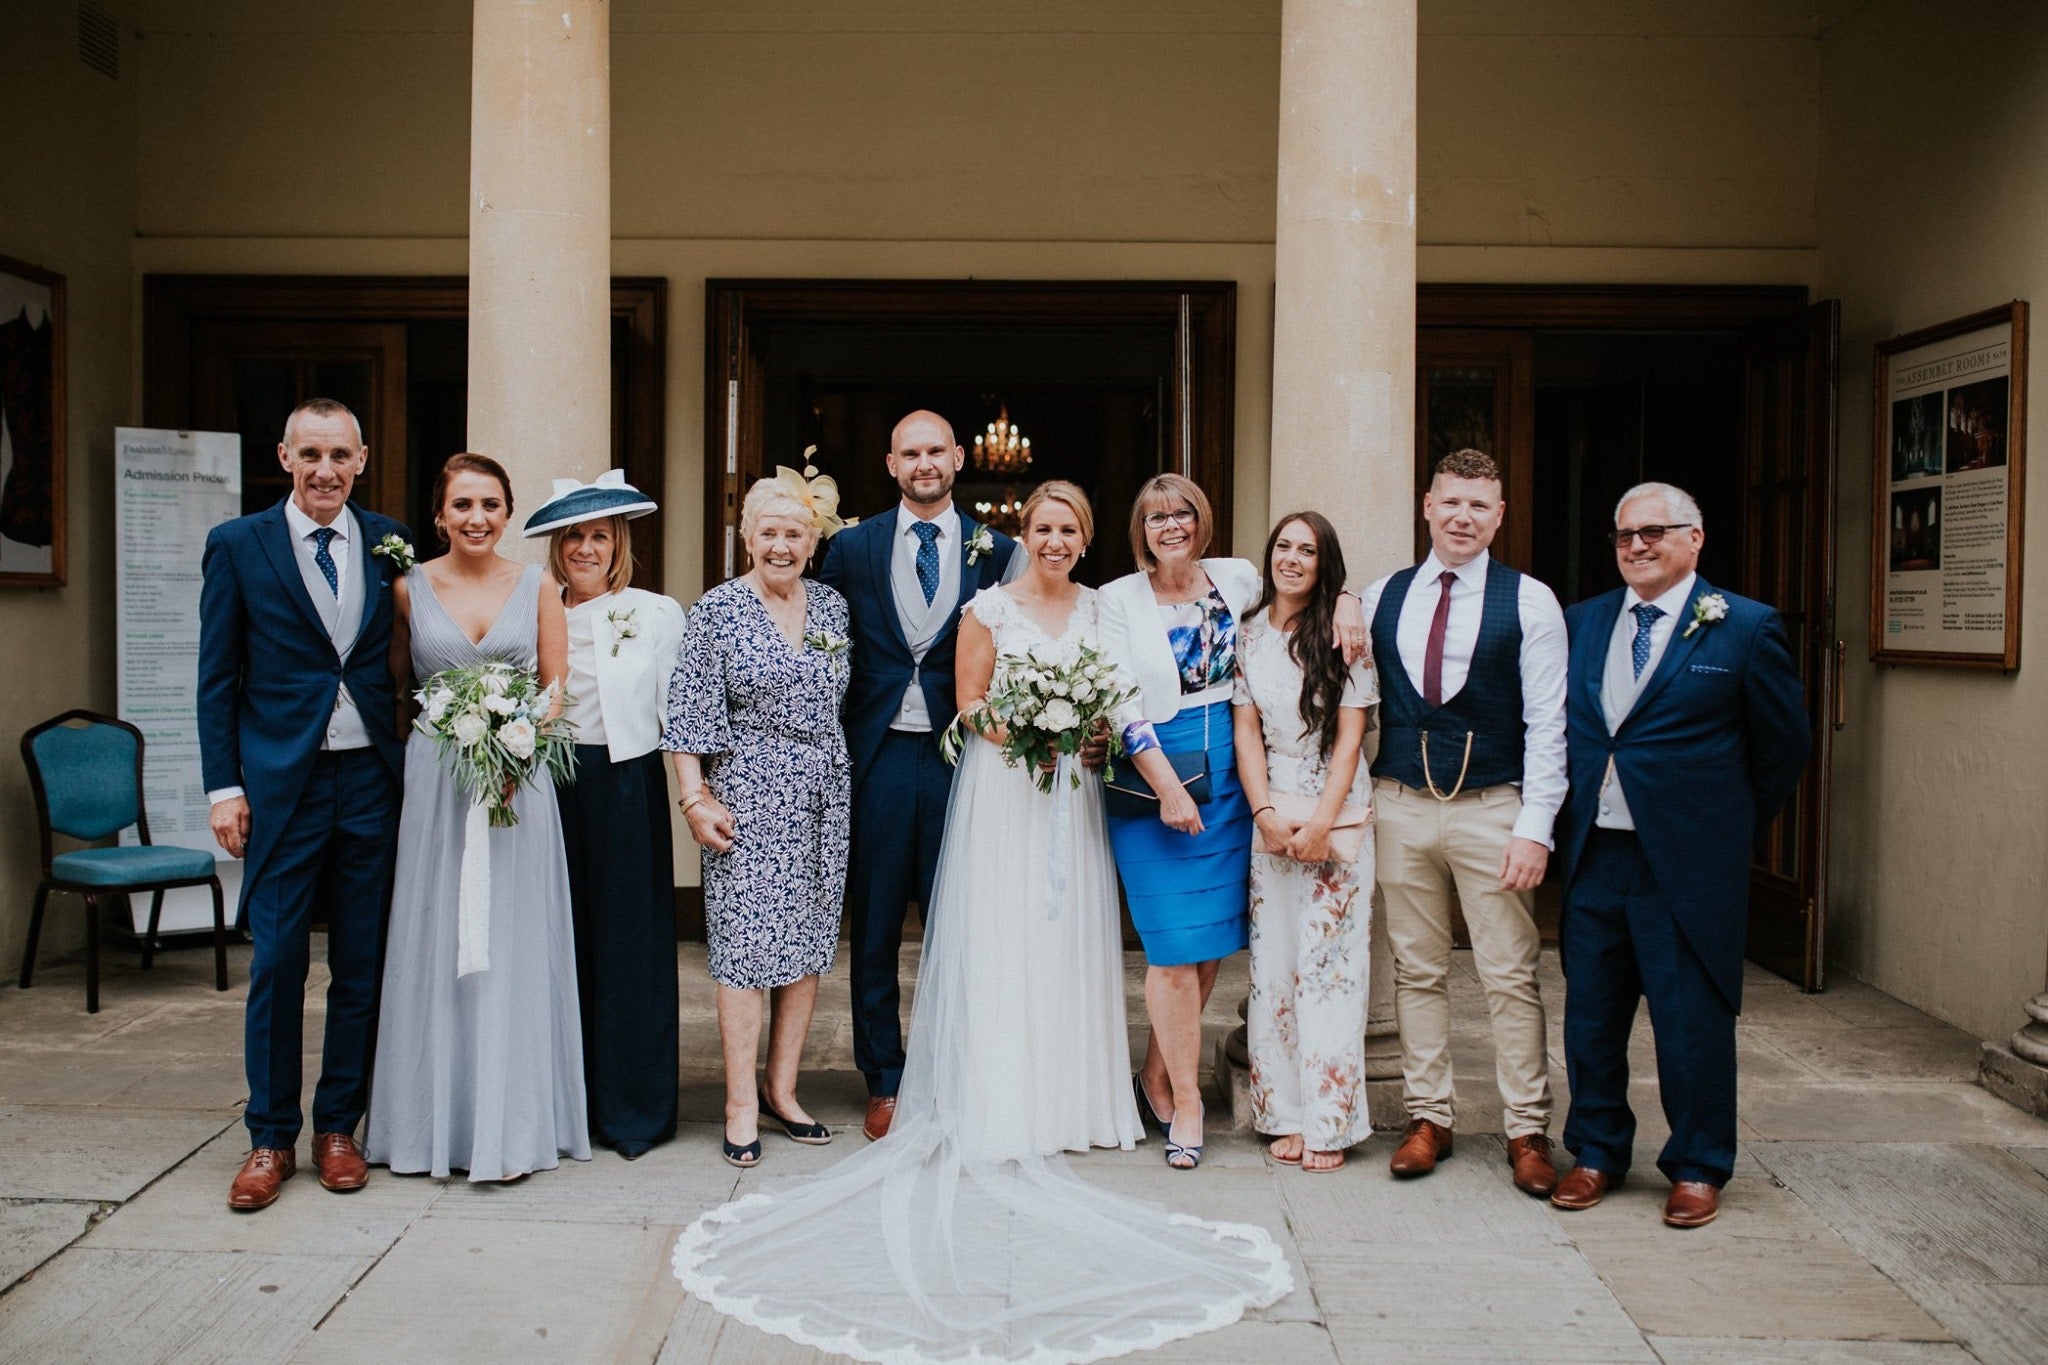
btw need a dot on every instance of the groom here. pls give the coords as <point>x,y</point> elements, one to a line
<point>298,739</point>
<point>905,578</point>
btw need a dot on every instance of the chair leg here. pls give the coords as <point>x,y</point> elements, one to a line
<point>92,953</point>
<point>220,939</point>
<point>156,910</point>
<point>35,931</point>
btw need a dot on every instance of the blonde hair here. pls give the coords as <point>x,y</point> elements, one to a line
<point>1165,493</point>
<point>620,576</point>
<point>1067,495</point>
<point>772,498</point>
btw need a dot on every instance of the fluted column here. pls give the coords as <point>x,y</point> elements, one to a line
<point>1344,327</point>
<point>540,241</point>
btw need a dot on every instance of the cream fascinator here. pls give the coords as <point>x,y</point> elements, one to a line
<point>817,492</point>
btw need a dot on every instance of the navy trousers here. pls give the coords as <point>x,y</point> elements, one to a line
<point>899,820</point>
<point>615,832</point>
<point>339,843</point>
<point>1621,944</point>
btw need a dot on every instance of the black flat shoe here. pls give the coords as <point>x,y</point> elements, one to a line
<point>742,1157</point>
<point>809,1134</point>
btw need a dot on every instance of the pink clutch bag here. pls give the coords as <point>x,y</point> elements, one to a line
<point>1347,836</point>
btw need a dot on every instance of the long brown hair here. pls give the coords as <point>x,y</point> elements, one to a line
<point>1323,672</point>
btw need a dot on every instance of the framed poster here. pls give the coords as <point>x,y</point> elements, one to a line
<point>32,449</point>
<point>1948,501</point>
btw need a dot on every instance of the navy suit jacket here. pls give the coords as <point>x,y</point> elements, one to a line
<point>1712,750</point>
<point>857,563</point>
<point>268,669</point>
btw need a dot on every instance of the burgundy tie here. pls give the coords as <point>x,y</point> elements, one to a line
<point>1433,656</point>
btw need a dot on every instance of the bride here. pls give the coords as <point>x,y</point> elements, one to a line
<point>963,1235</point>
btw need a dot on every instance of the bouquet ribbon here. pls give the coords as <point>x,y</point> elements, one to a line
<point>1056,855</point>
<point>473,922</point>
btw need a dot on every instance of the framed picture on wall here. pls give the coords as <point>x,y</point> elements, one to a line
<point>32,447</point>
<point>1949,492</point>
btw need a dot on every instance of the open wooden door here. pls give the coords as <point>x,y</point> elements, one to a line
<point>1788,561</point>
<point>1475,387</point>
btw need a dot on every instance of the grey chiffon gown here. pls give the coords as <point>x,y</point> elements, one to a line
<point>482,1073</point>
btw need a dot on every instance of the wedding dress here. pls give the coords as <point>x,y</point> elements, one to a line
<point>963,1235</point>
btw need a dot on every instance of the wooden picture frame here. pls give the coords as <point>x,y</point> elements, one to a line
<point>1948,492</point>
<point>33,449</point>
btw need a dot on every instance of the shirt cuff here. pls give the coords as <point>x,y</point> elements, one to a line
<point>214,798</point>
<point>1534,823</point>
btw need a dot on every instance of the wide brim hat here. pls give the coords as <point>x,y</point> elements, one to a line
<point>608,495</point>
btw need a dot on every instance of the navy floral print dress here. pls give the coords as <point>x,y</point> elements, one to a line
<point>764,717</point>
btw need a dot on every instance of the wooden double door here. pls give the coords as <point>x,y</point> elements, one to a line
<point>1729,393</point>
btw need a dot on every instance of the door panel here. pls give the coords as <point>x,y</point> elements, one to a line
<point>1788,561</point>
<point>1476,387</point>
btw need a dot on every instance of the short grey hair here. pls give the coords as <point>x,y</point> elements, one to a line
<point>1678,504</point>
<point>772,498</point>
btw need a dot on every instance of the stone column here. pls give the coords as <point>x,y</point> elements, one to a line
<point>540,242</point>
<point>1344,329</point>
<point>2017,1072</point>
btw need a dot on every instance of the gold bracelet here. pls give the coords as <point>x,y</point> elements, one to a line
<point>693,801</point>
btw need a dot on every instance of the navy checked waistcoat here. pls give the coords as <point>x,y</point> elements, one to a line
<point>1488,706</point>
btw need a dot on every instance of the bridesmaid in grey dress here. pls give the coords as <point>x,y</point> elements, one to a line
<point>481,1073</point>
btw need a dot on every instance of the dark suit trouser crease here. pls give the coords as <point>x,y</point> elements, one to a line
<point>615,831</point>
<point>899,821</point>
<point>1621,943</point>
<point>338,844</point>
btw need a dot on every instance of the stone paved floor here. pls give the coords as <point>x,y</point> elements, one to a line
<point>1885,1209</point>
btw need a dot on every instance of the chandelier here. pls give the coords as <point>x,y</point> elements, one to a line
<point>1003,448</point>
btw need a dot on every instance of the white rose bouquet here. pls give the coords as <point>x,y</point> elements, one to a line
<point>490,722</point>
<point>1044,704</point>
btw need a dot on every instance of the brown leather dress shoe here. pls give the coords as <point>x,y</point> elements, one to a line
<point>1422,1146</point>
<point>1693,1204</point>
<point>1583,1187</point>
<point>339,1162</point>
<point>261,1178</point>
<point>881,1113</point>
<point>1530,1158</point>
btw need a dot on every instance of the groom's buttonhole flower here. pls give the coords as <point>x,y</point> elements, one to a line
<point>979,544</point>
<point>398,550</point>
<point>1705,612</point>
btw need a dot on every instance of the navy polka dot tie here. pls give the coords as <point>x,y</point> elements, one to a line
<point>927,559</point>
<point>322,538</point>
<point>1639,648</point>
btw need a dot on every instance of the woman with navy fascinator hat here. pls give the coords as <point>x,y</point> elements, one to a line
<point>623,642</point>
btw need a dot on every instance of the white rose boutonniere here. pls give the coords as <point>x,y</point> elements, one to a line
<point>1705,612</point>
<point>398,550</point>
<point>828,644</point>
<point>979,544</point>
<point>625,626</point>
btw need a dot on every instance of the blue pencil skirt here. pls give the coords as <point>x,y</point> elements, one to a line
<point>1188,895</point>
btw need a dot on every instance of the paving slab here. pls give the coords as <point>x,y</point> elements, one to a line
<point>1296,1343</point>
<point>1919,1211</point>
<point>1471,1303</point>
<point>1775,1268</point>
<point>461,1289</point>
<point>71,1153</point>
<point>162,1306</point>
<point>187,1210</point>
<point>2036,1157</point>
<point>32,1232</point>
<point>1932,1112</point>
<point>1857,1054</point>
<point>1868,1007</point>
<point>2001,1324</point>
<point>1750,1351</point>
<point>1466,1203</point>
<point>668,1186</point>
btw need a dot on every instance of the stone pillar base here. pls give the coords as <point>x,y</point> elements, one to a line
<point>2017,1072</point>
<point>1234,1079</point>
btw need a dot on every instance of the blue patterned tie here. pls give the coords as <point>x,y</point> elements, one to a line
<point>1639,648</point>
<point>322,538</point>
<point>927,559</point>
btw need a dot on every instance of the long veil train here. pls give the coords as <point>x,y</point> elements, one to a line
<point>957,1238</point>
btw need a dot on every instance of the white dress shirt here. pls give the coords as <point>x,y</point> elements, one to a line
<point>345,728</point>
<point>1620,684</point>
<point>1544,656</point>
<point>913,714</point>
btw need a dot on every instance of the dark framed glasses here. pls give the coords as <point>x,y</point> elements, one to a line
<point>1650,534</point>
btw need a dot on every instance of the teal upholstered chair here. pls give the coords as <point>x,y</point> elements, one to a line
<point>87,780</point>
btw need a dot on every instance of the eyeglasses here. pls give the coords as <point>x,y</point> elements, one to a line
<point>1650,534</point>
<point>1182,516</point>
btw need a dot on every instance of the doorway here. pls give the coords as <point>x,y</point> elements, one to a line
<point>1580,393</point>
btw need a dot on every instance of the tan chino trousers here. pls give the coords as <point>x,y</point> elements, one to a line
<point>1426,847</point>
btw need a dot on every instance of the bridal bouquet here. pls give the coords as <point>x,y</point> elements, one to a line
<point>490,722</point>
<point>1047,703</point>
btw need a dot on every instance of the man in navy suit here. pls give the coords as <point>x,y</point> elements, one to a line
<point>298,738</point>
<point>905,575</point>
<point>1686,732</point>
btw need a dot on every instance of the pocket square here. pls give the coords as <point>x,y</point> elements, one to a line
<point>1705,668</point>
